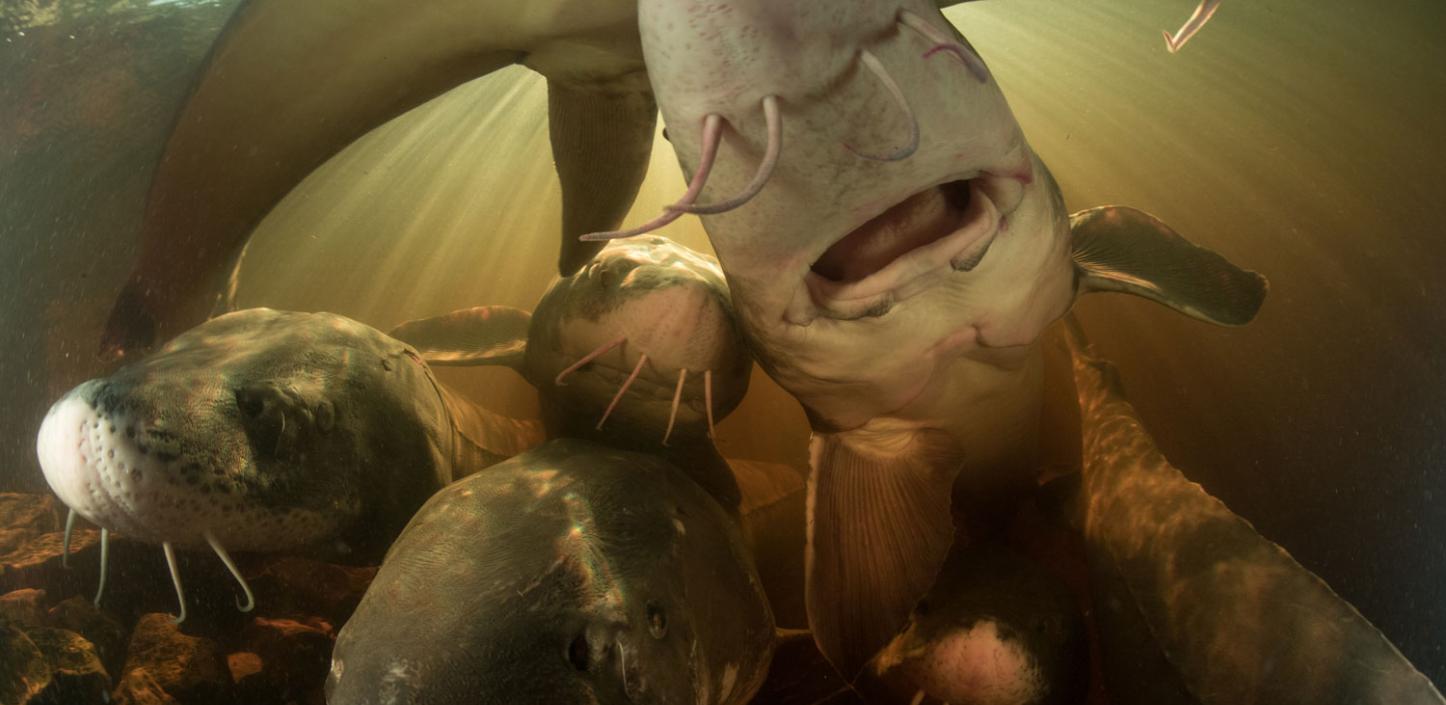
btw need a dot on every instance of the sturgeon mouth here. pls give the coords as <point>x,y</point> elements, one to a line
<point>946,227</point>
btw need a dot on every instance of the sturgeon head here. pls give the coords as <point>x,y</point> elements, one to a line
<point>644,337</point>
<point>572,573</point>
<point>259,430</point>
<point>895,249</point>
<point>639,349</point>
<point>892,215</point>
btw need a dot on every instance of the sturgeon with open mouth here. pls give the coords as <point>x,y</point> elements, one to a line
<point>287,85</point>
<point>894,249</point>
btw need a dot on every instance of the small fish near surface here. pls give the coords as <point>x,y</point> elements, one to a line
<point>894,249</point>
<point>268,431</point>
<point>573,573</point>
<point>1192,26</point>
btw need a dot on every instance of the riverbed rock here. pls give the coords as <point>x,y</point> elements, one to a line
<point>25,607</point>
<point>24,672</point>
<point>141,688</point>
<point>164,661</point>
<point>31,559</point>
<point>303,588</point>
<point>77,676</point>
<point>38,513</point>
<point>80,616</point>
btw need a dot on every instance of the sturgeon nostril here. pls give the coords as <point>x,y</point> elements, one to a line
<point>579,654</point>
<point>267,417</point>
<point>250,402</point>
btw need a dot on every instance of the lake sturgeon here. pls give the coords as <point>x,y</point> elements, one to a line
<point>894,249</point>
<point>272,431</point>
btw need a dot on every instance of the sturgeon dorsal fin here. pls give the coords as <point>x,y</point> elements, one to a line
<point>1130,251</point>
<point>880,525</point>
<point>482,335</point>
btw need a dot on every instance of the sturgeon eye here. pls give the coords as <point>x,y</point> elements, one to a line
<point>657,621</point>
<point>578,653</point>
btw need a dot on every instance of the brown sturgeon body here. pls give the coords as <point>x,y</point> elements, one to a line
<point>287,85</point>
<point>1194,606</point>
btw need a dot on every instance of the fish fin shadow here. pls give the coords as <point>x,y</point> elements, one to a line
<point>481,335</point>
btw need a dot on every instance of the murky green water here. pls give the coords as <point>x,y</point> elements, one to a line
<point>1301,139</point>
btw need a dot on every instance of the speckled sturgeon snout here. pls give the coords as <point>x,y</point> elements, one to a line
<point>267,431</point>
<point>894,249</point>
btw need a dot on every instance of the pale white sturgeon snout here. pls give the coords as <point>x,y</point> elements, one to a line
<point>87,468</point>
<point>713,129</point>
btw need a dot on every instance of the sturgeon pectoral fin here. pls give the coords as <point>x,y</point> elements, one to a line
<point>879,530</point>
<point>1193,605</point>
<point>601,143</point>
<point>1130,251</point>
<point>481,335</point>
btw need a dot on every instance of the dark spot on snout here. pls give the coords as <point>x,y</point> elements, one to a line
<point>880,309</point>
<point>657,620</point>
<point>251,402</point>
<point>578,653</point>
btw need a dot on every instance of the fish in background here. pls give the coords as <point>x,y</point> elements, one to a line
<point>270,431</point>
<point>287,85</point>
<point>894,249</point>
<point>1192,26</point>
<point>573,573</point>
